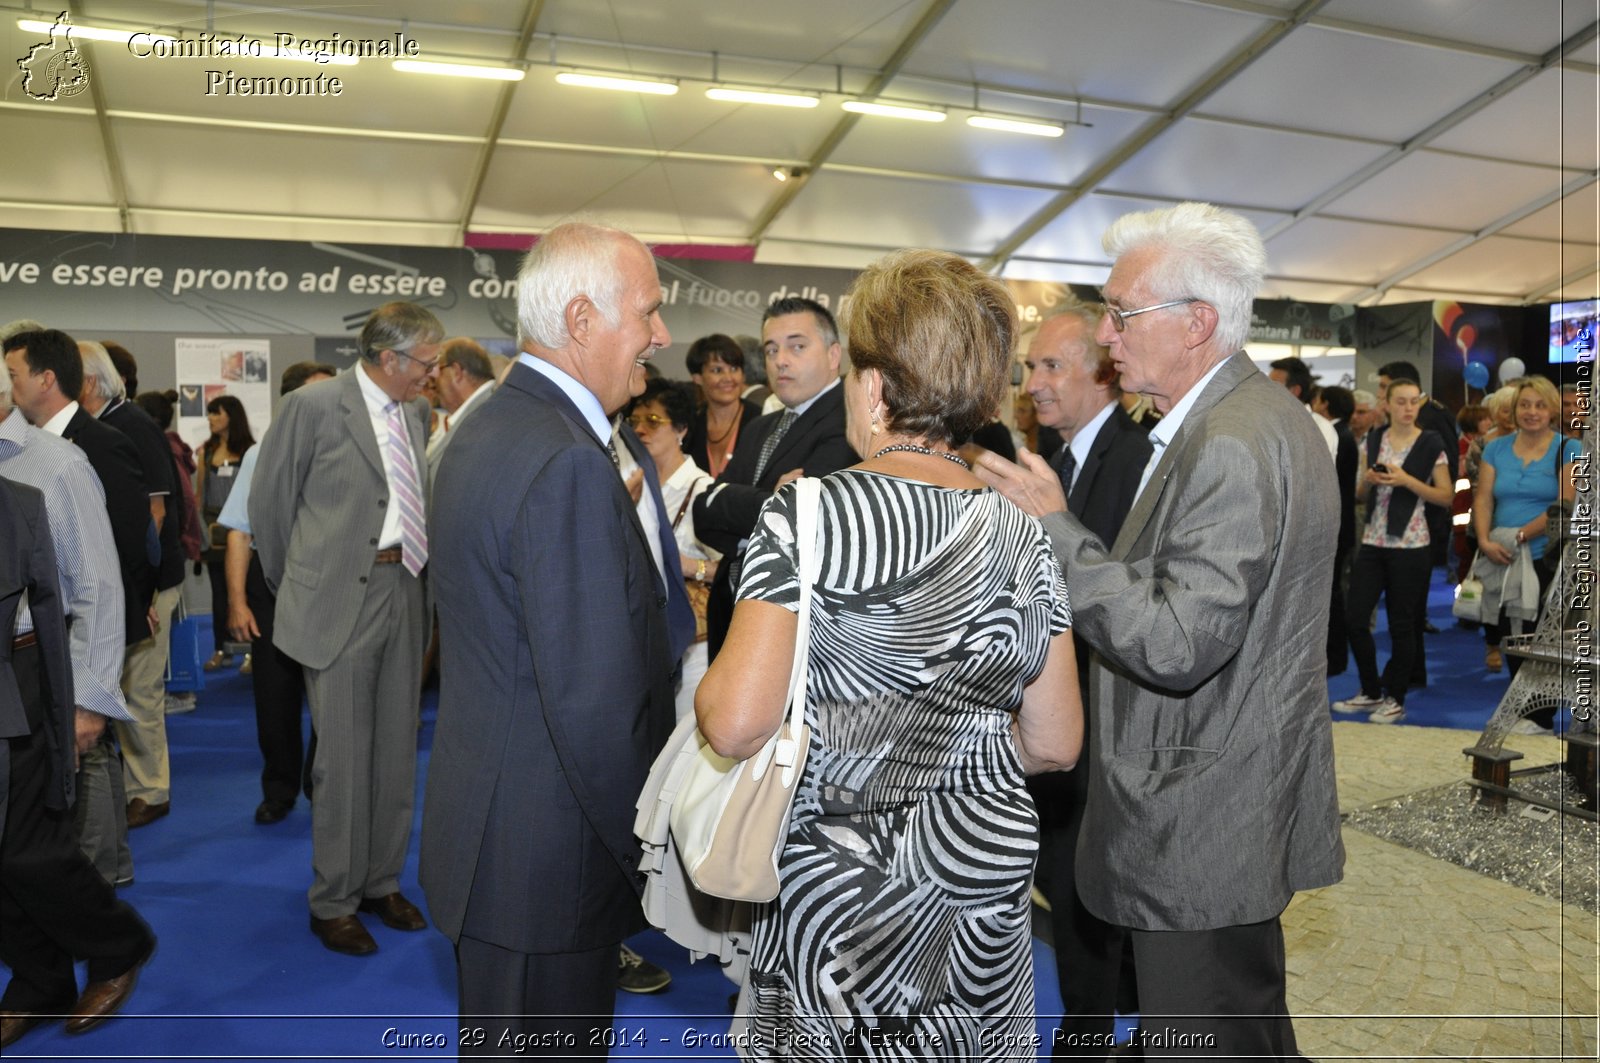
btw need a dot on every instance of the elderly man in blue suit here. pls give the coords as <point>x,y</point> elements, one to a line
<point>1211,787</point>
<point>553,629</point>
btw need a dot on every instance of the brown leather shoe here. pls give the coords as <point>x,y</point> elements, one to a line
<point>396,912</point>
<point>101,1000</point>
<point>141,813</point>
<point>13,1024</point>
<point>344,934</point>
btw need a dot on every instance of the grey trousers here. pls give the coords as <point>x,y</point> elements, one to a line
<point>101,811</point>
<point>365,708</point>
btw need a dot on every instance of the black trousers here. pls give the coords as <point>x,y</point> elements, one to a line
<point>1338,639</point>
<point>1208,994</point>
<point>280,692</point>
<point>54,907</point>
<point>217,570</point>
<point>1094,961</point>
<point>1401,577</point>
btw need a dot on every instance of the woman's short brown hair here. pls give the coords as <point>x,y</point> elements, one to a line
<point>941,332</point>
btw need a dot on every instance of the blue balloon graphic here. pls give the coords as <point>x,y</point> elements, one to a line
<point>1476,375</point>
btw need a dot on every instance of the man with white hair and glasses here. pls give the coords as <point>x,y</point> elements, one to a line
<point>1211,791</point>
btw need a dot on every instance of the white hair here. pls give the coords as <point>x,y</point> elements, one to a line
<point>22,324</point>
<point>102,371</point>
<point>1207,253</point>
<point>1363,397</point>
<point>573,259</point>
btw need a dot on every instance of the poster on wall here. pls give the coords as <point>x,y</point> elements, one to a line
<point>209,368</point>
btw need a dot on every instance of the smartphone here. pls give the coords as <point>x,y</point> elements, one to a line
<point>1380,467</point>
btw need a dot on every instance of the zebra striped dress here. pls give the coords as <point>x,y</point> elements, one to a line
<point>902,928</point>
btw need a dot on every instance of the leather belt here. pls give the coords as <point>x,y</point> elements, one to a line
<point>390,556</point>
<point>22,642</point>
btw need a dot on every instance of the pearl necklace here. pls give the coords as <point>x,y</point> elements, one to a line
<point>914,448</point>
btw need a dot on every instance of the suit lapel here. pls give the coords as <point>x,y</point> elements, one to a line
<point>359,422</point>
<point>805,426</point>
<point>1234,370</point>
<point>534,383</point>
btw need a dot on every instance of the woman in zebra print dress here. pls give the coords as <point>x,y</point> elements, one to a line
<point>941,672</point>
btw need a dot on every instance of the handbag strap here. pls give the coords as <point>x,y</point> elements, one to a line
<point>808,498</point>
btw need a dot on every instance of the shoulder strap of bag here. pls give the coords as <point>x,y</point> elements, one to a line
<point>808,497</point>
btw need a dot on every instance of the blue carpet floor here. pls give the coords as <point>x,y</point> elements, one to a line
<point>239,975</point>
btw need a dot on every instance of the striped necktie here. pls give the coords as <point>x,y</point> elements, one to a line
<point>408,492</point>
<point>771,442</point>
<point>1067,468</point>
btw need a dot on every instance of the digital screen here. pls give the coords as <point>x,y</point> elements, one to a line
<point>1572,331</point>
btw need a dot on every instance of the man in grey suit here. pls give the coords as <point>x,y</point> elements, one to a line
<point>466,379</point>
<point>556,676</point>
<point>336,505</point>
<point>1211,791</point>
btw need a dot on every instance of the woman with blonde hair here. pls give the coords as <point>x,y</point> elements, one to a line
<point>941,673</point>
<point>1521,476</point>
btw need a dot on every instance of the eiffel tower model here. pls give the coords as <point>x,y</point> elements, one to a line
<point>1559,658</point>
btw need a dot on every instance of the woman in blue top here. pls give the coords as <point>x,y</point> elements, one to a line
<point>1401,468</point>
<point>1522,475</point>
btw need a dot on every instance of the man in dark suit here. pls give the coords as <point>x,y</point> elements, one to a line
<point>1211,789</point>
<point>1076,391</point>
<point>555,688</point>
<point>54,907</point>
<point>805,438</point>
<point>1338,406</point>
<point>47,378</point>
<point>146,770</point>
<point>337,508</point>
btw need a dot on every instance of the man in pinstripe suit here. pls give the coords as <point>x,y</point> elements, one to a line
<point>336,507</point>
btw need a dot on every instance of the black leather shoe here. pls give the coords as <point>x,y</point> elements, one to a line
<point>396,912</point>
<point>270,811</point>
<point>344,934</point>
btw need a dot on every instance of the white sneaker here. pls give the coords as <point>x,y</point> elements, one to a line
<point>1359,703</point>
<point>180,703</point>
<point>1526,726</point>
<point>1390,711</point>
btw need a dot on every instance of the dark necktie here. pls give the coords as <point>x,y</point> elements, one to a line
<point>611,452</point>
<point>1066,467</point>
<point>771,442</point>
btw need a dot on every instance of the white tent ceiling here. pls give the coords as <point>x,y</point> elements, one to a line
<point>1390,150</point>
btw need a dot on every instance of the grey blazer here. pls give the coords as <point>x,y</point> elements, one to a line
<point>1211,797</point>
<point>316,508</point>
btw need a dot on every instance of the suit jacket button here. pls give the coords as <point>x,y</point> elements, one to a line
<point>383,502</point>
<point>661,602</point>
<point>374,542</point>
<point>363,579</point>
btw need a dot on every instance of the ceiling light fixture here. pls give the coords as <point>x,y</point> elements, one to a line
<point>780,173</point>
<point>1015,125</point>
<point>762,96</point>
<point>458,70</point>
<point>91,33</point>
<point>617,83</point>
<point>890,110</point>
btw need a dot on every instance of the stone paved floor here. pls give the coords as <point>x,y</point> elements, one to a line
<point>1414,958</point>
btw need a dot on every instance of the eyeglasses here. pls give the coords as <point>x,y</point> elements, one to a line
<point>640,421</point>
<point>720,369</point>
<point>427,367</point>
<point>1119,318</point>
